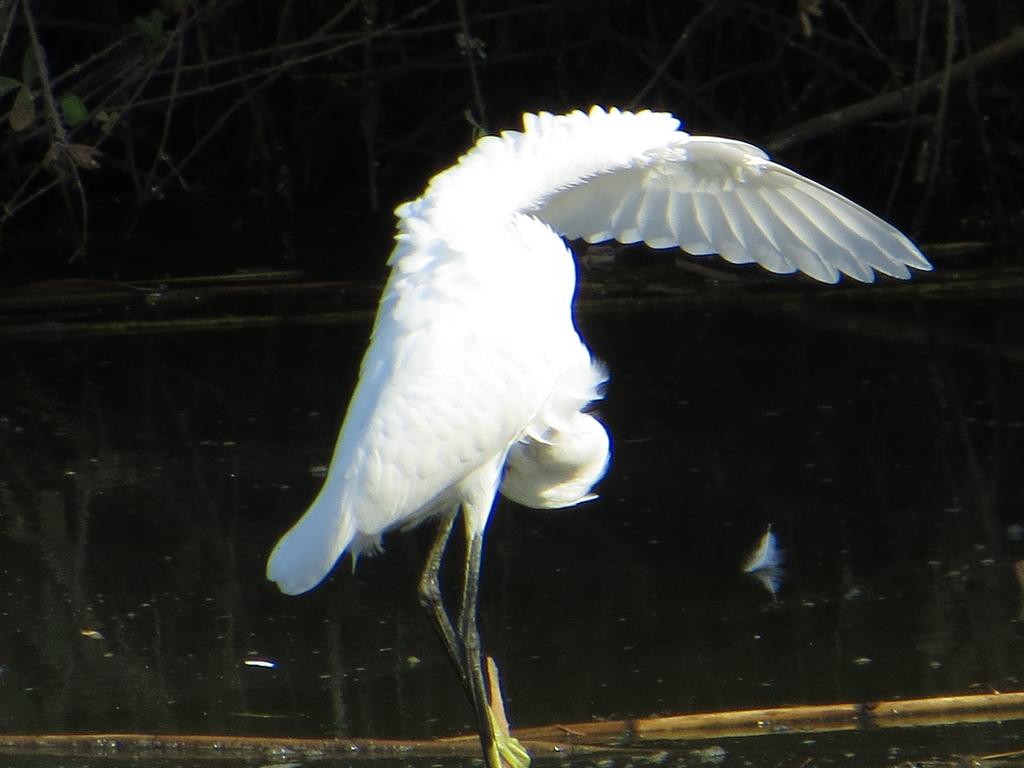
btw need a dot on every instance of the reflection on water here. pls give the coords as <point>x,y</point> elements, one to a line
<point>144,479</point>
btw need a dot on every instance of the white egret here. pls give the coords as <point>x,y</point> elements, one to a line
<point>476,380</point>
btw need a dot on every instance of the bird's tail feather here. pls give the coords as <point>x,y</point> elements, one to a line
<point>307,553</point>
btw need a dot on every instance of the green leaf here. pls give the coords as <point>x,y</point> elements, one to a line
<point>8,83</point>
<point>152,26</point>
<point>107,120</point>
<point>24,110</point>
<point>74,110</point>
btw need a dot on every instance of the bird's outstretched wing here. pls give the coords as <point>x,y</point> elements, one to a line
<point>607,174</point>
<point>710,195</point>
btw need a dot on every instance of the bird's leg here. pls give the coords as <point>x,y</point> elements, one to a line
<point>472,660</point>
<point>432,600</point>
<point>499,748</point>
<point>464,647</point>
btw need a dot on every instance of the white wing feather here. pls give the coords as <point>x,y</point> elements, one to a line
<point>709,195</point>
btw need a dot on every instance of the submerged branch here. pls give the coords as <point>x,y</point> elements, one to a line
<point>578,738</point>
<point>852,716</point>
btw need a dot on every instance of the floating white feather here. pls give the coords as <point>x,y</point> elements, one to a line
<point>766,555</point>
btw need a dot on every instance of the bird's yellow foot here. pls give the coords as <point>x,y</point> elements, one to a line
<point>512,752</point>
<point>507,751</point>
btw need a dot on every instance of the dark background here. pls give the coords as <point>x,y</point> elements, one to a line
<point>254,135</point>
<point>150,458</point>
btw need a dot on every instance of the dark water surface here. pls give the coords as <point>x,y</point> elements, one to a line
<point>144,478</point>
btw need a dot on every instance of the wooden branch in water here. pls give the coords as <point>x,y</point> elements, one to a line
<point>1010,46</point>
<point>578,738</point>
<point>278,749</point>
<point>900,713</point>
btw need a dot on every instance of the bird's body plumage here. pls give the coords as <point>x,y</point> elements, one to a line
<point>466,358</point>
<point>474,353</point>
